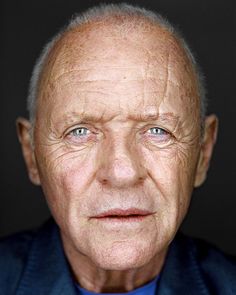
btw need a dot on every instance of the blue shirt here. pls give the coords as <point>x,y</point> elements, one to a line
<point>149,289</point>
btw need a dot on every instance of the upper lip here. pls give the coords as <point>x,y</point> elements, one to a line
<point>123,212</point>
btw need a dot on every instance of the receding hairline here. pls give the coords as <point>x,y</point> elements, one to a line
<point>79,35</point>
<point>124,23</point>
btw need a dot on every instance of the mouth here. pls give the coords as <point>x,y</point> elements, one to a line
<point>121,215</point>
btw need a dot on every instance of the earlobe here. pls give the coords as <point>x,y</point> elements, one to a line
<point>23,132</point>
<point>207,145</point>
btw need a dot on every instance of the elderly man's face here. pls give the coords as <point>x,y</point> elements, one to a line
<point>117,143</point>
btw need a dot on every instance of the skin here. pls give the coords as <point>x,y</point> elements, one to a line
<point>117,126</point>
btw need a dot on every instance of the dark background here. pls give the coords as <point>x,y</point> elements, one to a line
<point>209,27</point>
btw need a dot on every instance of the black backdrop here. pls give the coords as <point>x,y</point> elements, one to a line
<point>209,27</point>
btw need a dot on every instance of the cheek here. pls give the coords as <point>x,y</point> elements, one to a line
<point>65,181</point>
<point>76,177</point>
<point>172,175</point>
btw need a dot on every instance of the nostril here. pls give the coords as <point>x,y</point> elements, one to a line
<point>141,179</point>
<point>104,181</point>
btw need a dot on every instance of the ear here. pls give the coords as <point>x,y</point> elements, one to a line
<point>23,132</point>
<point>207,145</point>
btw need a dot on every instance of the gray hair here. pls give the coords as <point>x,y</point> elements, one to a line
<point>101,12</point>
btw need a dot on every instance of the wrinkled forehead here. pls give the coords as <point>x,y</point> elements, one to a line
<point>108,48</point>
<point>148,60</point>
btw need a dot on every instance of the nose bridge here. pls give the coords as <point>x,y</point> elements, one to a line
<point>120,163</point>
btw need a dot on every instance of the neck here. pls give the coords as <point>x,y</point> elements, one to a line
<point>98,280</point>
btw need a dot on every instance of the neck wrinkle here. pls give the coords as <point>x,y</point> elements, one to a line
<point>95,279</point>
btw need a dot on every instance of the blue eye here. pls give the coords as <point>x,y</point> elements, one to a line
<point>157,131</point>
<point>79,132</point>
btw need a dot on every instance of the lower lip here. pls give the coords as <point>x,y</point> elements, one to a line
<point>122,219</point>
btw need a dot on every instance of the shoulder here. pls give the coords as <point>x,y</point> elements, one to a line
<point>211,258</point>
<point>216,267</point>
<point>13,256</point>
<point>215,263</point>
<point>33,262</point>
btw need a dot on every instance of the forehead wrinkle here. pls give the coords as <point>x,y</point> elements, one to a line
<point>87,69</point>
<point>100,87</point>
<point>103,26</point>
<point>148,54</point>
<point>165,90</point>
<point>82,95</point>
<point>103,117</point>
<point>78,46</point>
<point>80,80</point>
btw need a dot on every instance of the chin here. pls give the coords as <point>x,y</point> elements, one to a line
<point>122,257</point>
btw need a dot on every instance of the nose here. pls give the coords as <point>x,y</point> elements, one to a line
<point>120,165</point>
